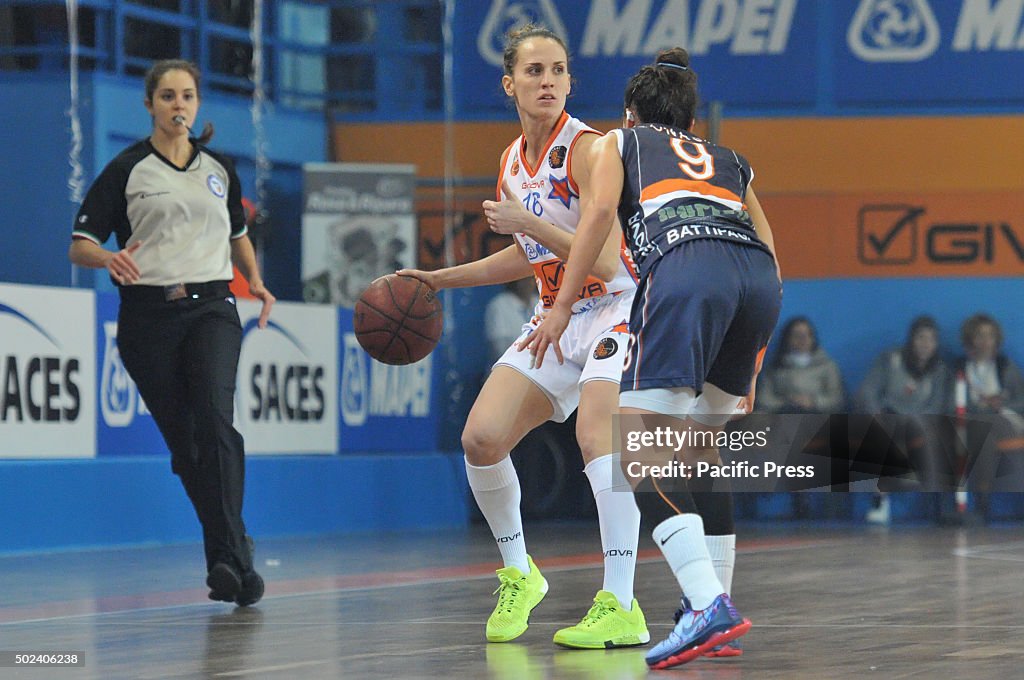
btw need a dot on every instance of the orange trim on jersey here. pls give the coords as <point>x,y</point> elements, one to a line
<point>666,186</point>
<point>501,170</point>
<point>759,361</point>
<point>621,328</point>
<point>627,260</point>
<point>568,163</point>
<point>550,274</point>
<point>531,172</point>
<point>657,488</point>
<point>640,333</point>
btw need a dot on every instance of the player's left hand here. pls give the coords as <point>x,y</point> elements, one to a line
<point>507,216</point>
<point>260,292</point>
<point>549,332</point>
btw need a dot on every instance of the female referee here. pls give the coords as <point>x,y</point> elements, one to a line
<point>175,208</point>
<point>706,306</point>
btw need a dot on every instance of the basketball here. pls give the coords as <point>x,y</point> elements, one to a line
<point>398,320</point>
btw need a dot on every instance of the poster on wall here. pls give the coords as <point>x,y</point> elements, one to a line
<point>358,223</point>
<point>47,373</point>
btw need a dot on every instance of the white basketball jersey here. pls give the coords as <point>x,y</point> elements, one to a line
<point>549,192</point>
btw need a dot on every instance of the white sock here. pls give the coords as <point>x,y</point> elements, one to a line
<point>723,558</point>
<point>681,539</point>
<point>496,490</point>
<point>619,519</point>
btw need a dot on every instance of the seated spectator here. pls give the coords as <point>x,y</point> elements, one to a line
<point>990,392</point>
<point>910,381</point>
<point>801,378</point>
<point>994,383</point>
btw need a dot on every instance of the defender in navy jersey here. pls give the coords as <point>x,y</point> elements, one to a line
<point>175,210</point>
<point>706,304</point>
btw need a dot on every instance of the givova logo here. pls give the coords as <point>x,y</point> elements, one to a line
<point>370,388</point>
<point>893,30</point>
<point>119,397</point>
<point>37,385</point>
<point>506,14</point>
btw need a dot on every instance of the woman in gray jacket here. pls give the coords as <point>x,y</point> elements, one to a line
<point>802,378</point>
<point>914,384</point>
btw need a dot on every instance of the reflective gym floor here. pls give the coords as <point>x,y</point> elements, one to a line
<point>836,602</point>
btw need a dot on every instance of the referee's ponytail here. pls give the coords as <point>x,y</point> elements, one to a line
<point>157,71</point>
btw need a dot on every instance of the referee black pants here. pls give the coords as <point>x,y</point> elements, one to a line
<point>183,356</point>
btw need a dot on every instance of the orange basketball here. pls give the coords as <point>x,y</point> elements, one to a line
<point>398,319</point>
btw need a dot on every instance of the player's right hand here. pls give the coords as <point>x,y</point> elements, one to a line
<point>122,265</point>
<point>507,216</point>
<point>429,278</point>
<point>547,334</point>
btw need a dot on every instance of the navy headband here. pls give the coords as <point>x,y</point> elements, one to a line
<point>665,63</point>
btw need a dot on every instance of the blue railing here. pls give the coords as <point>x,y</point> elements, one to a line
<point>344,56</point>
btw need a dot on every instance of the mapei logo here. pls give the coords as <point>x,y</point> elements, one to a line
<point>370,388</point>
<point>506,14</point>
<point>119,397</point>
<point>893,31</point>
<point>355,383</point>
<point>893,235</point>
<point>37,385</point>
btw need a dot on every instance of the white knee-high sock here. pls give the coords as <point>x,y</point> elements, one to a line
<point>681,539</point>
<point>620,527</point>
<point>496,490</point>
<point>723,557</point>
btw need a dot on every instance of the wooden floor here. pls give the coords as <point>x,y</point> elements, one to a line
<point>835,602</point>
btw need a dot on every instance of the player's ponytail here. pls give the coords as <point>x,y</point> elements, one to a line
<point>664,92</point>
<point>676,57</point>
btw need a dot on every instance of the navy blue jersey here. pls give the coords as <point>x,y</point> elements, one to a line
<point>679,187</point>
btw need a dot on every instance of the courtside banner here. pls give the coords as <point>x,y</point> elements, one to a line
<point>952,234</point>
<point>124,426</point>
<point>385,408</point>
<point>950,53</point>
<point>747,52</point>
<point>287,379</point>
<point>47,374</point>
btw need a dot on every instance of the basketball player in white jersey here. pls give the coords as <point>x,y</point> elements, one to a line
<point>544,173</point>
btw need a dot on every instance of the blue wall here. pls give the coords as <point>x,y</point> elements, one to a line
<point>858,318</point>
<point>77,504</point>
<point>35,224</point>
<point>37,207</point>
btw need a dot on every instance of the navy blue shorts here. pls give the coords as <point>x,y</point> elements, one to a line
<point>703,314</point>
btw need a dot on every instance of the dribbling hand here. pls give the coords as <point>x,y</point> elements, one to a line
<point>122,266</point>
<point>429,278</point>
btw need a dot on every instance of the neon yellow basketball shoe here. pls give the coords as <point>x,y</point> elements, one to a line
<point>518,594</point>
<point>606,625</point>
